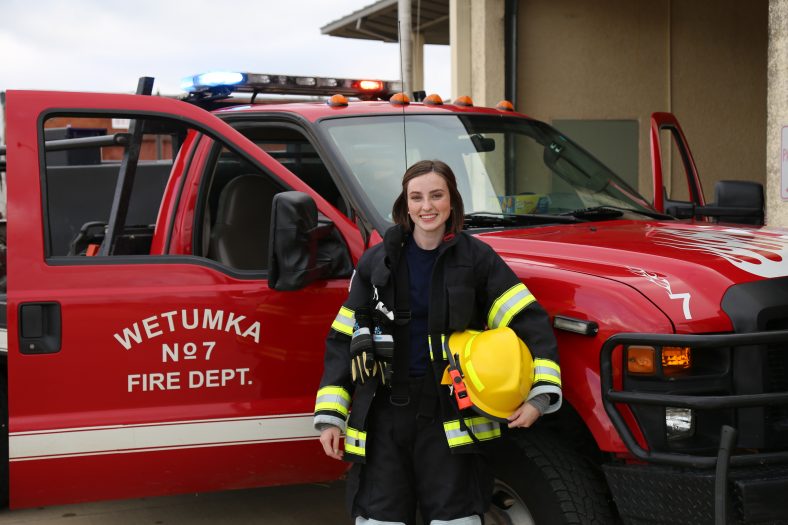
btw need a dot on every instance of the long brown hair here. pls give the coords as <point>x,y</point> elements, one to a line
<point>400,210</point>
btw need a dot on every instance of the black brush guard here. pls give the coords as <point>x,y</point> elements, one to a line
<point>725,453</point>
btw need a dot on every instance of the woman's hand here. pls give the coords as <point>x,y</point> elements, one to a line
<point>329,438</point>
<point>523,417</point>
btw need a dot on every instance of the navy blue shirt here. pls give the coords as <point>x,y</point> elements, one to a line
<point>420,264</point>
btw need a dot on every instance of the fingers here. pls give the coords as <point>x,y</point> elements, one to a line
<point>329,438</point>
<point>524,417</point>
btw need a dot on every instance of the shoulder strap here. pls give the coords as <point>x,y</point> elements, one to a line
<point>399,379</point>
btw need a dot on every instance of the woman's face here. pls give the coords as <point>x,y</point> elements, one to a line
<point>429,204</point>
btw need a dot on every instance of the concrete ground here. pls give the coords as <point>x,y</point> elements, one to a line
<point>295,505</point>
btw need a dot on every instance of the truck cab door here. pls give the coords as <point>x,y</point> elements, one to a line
<point>667,122</point>
<point>739,202</point>
<point>140,367</point>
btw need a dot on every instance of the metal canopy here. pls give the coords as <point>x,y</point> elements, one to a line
<point>378,21</point>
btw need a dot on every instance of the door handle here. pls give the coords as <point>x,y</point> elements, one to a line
<point>39,328</point>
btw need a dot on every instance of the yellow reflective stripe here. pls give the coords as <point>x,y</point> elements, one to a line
<point>508,305</point>
<point>443,347</point>
<point>334,390</point>
<point>547,378</point>
<point>333,398</point>
<point>547,371</point>
<point>546,362</point>
<point>484,429</point>
<point>470,371</point>
<point>355,442</point>
<point>344,321</point>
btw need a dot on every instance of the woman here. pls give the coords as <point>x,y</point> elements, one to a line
<point>405,435</point>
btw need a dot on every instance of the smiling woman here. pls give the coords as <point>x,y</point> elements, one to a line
<point>427,280</point>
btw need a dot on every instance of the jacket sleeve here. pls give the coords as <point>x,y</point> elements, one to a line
<point>508,302</point>
<point>332,405</point>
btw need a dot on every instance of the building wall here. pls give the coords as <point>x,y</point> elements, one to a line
<point>703,60</point>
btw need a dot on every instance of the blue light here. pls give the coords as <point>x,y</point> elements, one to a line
<point>219,78</point>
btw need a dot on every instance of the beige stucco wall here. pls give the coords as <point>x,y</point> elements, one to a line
<point>703,60</point>
<point>777,99</point>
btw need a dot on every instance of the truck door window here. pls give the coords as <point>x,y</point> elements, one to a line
<point>233,224</point>
<point>82,167</point>
<point>294,151</point>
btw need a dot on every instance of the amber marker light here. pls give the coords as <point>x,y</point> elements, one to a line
<point>399,99</point>
<point>676,359</point>
<point>640,359</point>
<point>464,100</point>
<point>505,105</point>
<point>433,100</point>
<point>337,101</point>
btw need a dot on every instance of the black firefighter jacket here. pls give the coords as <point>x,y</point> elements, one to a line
<point>471,288</point>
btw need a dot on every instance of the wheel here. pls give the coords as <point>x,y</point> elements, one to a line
<point>540,480</point>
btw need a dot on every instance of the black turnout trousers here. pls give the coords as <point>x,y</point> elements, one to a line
<point>409,464</point>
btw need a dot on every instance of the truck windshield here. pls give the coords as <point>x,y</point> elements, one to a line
<point>503,165</point>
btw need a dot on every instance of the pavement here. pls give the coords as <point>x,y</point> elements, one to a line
<point>292,505</point>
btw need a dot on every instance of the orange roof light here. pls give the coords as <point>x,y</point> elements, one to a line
<point>505,105</point>
<point>464,100</point>
<point>337,101</point>
<point>370,85</point>
<point>399,99</point>
<point>433,100</point>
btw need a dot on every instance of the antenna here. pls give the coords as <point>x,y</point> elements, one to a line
<point>402,83</point>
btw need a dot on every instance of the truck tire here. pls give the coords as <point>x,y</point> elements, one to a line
<point>541,480</point>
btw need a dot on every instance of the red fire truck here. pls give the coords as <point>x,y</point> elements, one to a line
<point>166,317</point>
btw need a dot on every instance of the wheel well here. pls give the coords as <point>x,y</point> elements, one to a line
<point>567,426</point>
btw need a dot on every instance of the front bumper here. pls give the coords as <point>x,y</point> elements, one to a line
<point>720,484</point>
<point>657,494</point>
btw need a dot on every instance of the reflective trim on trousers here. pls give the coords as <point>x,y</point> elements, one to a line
<point>367,521</point>
<point>481,427</point>
<point>468,520</point>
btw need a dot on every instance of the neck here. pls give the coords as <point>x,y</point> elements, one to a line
<point>428,240</point>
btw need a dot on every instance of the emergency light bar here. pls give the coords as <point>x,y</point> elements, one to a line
<point>223,83</point>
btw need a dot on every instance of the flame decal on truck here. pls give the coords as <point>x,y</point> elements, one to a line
<point>758,252</point>
<point>662,282</point>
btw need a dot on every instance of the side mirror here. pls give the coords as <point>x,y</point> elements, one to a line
<point>302,248</point>
<point>739,201</point>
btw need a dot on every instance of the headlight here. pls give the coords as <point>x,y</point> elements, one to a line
<point>674,359</point>
<point>679,422</point>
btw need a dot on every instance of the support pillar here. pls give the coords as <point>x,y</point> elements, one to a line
<point>776,190</point>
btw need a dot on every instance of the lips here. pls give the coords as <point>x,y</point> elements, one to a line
<point>428,217</point>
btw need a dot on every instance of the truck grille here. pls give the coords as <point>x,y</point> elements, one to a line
<point>753,307</point>
<point>777,381</point>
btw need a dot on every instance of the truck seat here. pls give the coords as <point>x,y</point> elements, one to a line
<point>239,237</point>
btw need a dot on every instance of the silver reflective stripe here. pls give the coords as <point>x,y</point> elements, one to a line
<point>468,520</point>
<point>365,521</point>
<point>544,373</point>
<point>508,305</point>
<point>481,427</point>
<point>333,398</point>
<point>3,340</point>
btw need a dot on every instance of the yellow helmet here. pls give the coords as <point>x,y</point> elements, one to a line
<point>497,369</point>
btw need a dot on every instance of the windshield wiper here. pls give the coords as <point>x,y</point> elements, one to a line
<point>491,219</point>
<point>612,212</point>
